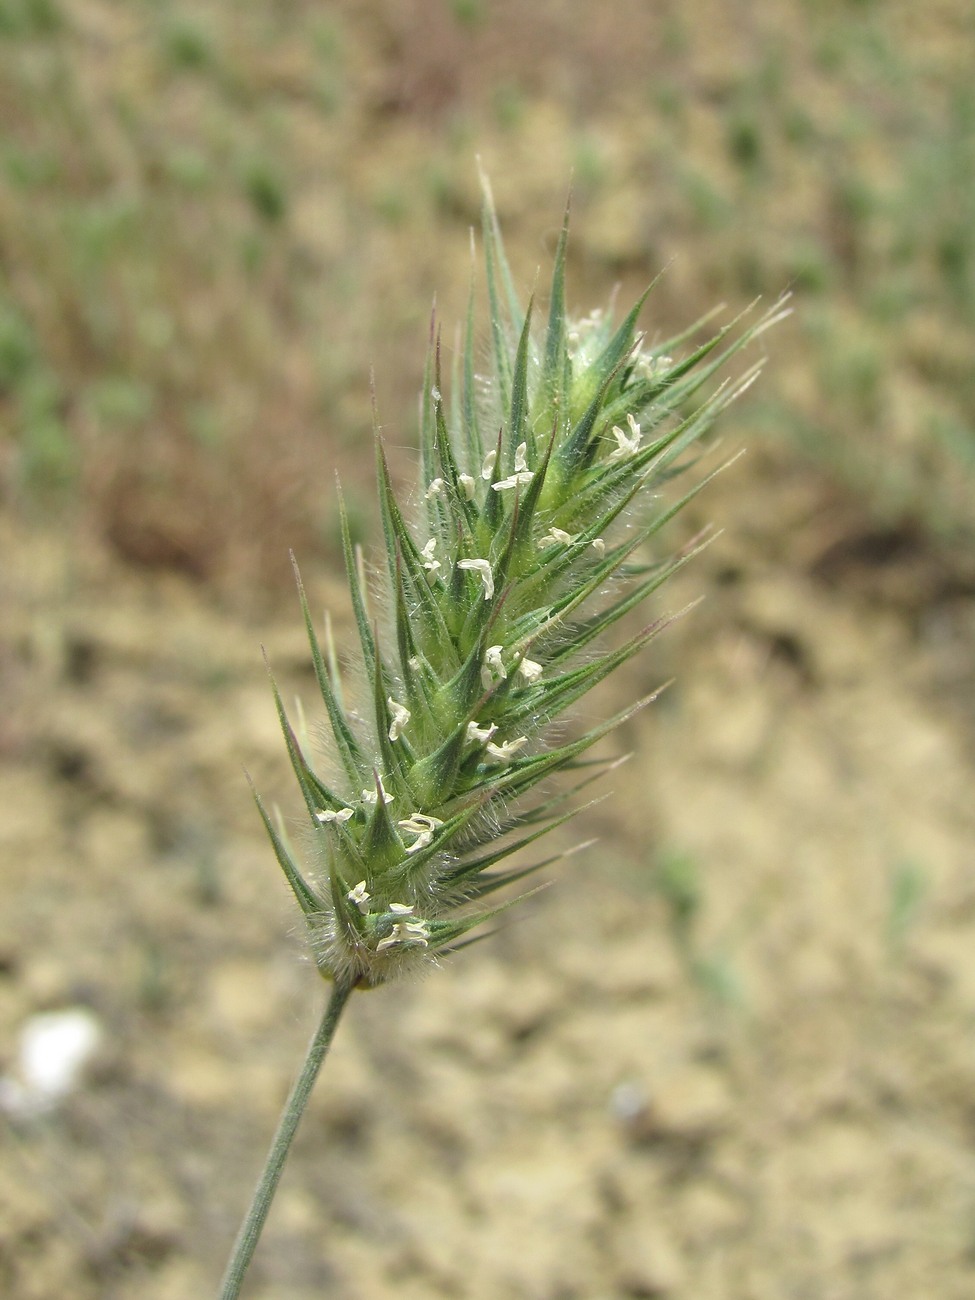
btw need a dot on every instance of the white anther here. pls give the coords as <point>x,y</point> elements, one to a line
<point>328,815</point>
<point>626,446</point>
<point>401,909</point>
<point>401,716</point>
<point>417,932</point>
<point>372,796</point>
<point>360,896</point>
<point>435,488</point>
<point>557,537</point>
<point>483,569</point>
<point>468,486</point>
<point>530,670</point>
<point>423,828</point>
<point>487,469</point>
<point>492,670</point>
<point>429,563</point>
<point>521,457</point>
<point>599,546</point>
<point>523,476</point>
<point>506,751</point>
<point>480,734</point>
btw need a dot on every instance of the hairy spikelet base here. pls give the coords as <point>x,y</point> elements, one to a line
<point>494,604</point>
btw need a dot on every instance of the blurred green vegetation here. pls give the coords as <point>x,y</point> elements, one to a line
<point>678,880</point>
<point>214,221</point>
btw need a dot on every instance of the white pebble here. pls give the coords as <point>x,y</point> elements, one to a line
<point>55,1048</point>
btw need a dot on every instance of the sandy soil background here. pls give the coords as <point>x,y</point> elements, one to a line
<point>730,1053</point>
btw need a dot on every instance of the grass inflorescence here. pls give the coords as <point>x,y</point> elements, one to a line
<point>537,504</point>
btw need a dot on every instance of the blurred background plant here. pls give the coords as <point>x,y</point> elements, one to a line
<point>201,210</point>
<point>676,878</point>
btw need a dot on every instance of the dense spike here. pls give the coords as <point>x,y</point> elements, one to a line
<point>533,539</point>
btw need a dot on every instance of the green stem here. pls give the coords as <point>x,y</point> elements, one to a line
<point>253,1224</point>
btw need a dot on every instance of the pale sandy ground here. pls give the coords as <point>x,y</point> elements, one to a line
<point>571,1109</point>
